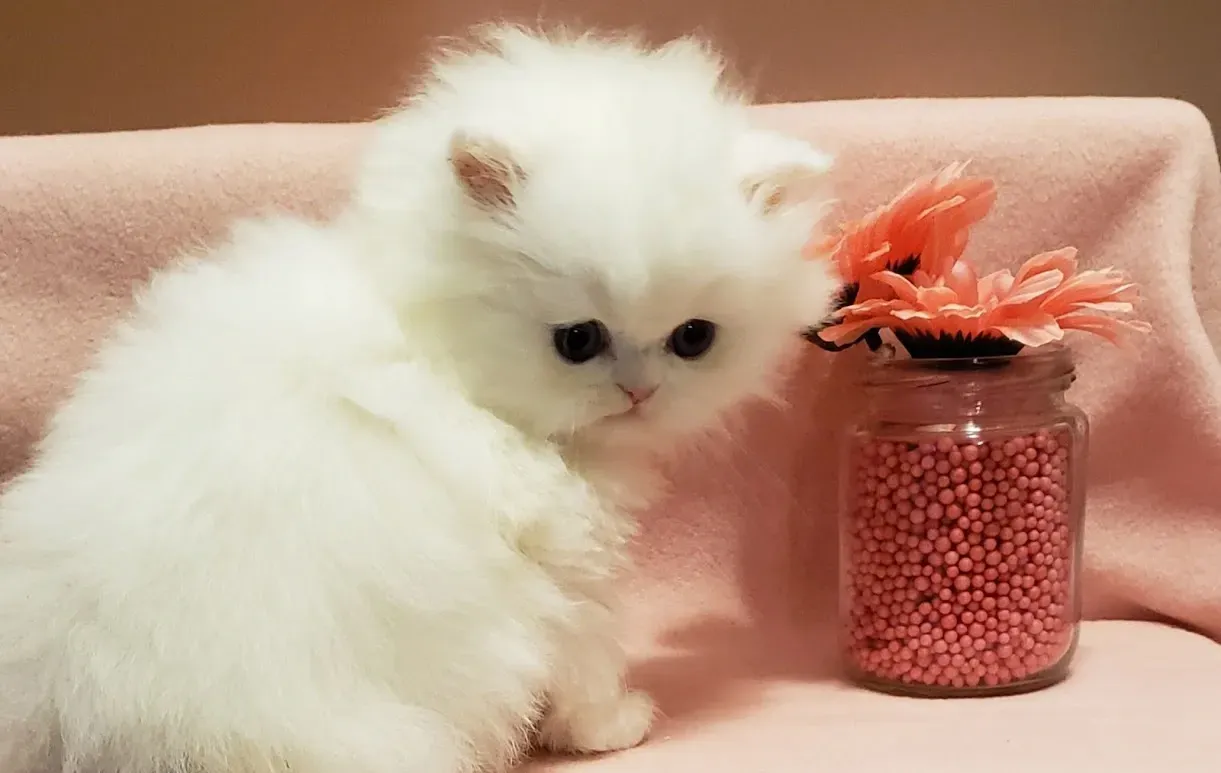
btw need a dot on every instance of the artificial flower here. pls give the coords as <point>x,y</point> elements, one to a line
<point>962,314</point>
<point>925,227</point>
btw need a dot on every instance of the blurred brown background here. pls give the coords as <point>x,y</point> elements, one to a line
<point>72,65</point>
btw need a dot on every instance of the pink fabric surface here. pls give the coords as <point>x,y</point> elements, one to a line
<point>732,611</point>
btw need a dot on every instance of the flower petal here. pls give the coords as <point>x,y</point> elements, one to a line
<point>1092,286</point>
<point>844,332</point>
<point>1033,287</point>
<point>1105,307</point>
<point>910,314</point>
<point>870,288</point>
<point>864,309</point>
<point>1063,260</point>
<point>1105,327</point>
<point>929,220</point>
<point>1036,330</point>
<point>901,285</point>
<point>994,286</point>
<point>963,280</point>
<point>963,312</point>
<point>933,298</point>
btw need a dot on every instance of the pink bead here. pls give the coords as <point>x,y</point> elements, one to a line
<point>956,560</point>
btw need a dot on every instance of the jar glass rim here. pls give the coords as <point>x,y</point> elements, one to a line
<point>1043,364</point>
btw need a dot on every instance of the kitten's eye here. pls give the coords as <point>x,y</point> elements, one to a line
<point>692,339</point>
<point>581,342</point>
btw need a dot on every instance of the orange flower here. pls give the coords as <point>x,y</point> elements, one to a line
<point>999,313</point>
<point>924,227</point>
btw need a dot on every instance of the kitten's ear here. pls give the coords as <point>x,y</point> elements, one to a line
<point>485,170</point>
<point>778,172</point>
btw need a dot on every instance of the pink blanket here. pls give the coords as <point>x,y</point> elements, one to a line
<point>732,611</point>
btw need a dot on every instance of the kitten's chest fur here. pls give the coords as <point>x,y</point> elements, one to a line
<point>626,483</point>
<point>580,540</point>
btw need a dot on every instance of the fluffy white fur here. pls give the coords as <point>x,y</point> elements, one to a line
<point>330,502</point>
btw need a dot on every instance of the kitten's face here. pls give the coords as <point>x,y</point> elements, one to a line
<point>628,306</point>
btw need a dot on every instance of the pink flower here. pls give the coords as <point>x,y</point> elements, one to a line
<point>996,313</point>
<point>924,227</point>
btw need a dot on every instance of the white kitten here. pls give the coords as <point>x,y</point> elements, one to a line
<point>349,497</point>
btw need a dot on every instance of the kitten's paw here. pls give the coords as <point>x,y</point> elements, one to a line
<point>601,727</point>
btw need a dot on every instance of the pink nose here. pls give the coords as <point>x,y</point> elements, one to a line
<point>637,394</point>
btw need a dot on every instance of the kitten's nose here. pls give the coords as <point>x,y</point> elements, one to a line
<point>637,394</point>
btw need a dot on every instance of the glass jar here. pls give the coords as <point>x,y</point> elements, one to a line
<point>963,496</point>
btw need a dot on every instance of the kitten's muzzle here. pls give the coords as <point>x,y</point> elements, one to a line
<point>637,394</point>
